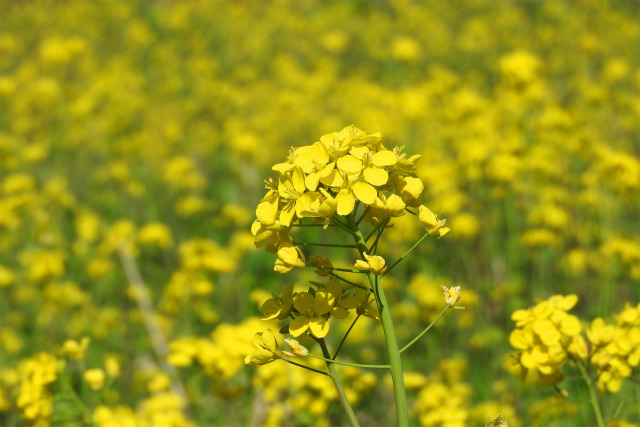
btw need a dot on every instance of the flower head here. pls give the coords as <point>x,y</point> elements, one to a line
<point>267,349</point>
<point>434,225</point>
<point>452,296</point>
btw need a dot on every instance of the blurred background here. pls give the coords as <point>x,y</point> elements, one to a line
<point>156,122</point>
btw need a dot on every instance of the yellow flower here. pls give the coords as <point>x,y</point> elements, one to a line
<point>296,348</point>
<point>373,263</point>
<point>452,296</point>
<point>312,309</point>
<point>278,307</point>
<point>600,334</point>
<point>431,221</point>
<point>95,378</point>
<point>267,349</point>
<point>74,349</point>
<point>384,207</point>
<point>289,257</point>
<point>157,234</point>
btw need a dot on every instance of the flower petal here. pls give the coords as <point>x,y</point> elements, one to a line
<point>299,325</point>
<point>364,192</point>
<point>319,326</point>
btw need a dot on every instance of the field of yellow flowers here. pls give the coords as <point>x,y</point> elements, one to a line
<point>135,140</point>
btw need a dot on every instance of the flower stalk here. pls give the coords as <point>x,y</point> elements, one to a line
<point>393,351</point>
<point>333,373</point>
<point>593,397</point>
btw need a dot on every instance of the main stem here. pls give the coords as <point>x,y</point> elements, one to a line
<point>389,333</point>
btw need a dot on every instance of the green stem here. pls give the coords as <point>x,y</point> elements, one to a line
<point>593,398</point>
<point>306,367</point>
<point>406,254</point>
<point>336,382</point>
<point>356,285</point>
<point>374,245</point>
<point>425,331</point>
<point>393,352</point>
<point>357,365</point>
<point>364,212</point>
<point>374,231</point>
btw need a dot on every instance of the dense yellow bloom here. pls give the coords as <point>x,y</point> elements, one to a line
<point>331,177</point>
<point>34,400</point>
<point>543,335</point>
<point>615,348</point>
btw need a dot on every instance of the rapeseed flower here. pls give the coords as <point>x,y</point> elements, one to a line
<point>374,263</point>
<point>267,349</point>
<point>95,378</point>
<point>543,335</point>
<point>452,296</point>
<point>297,350</point>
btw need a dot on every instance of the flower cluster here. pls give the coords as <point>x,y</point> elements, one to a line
<point>329,178</point>
<point>545,335</point>
<point>34,399</point>
<point>615,348</point>
<point>312,309</point>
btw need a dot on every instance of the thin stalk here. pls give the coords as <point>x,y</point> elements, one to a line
<point>306,367</point>
<point>356,285</point>
<point>348,270</point>
<point>372,232</point>
<point>374,245</point>
<point>327,245</point>
<point>593,398</point>
<point>357,365</point>
<point>340,224</point>
<point>425,331</point>
<point>312,225</point>
<point>364,212</point>
<point>344,338</point>
<point>393,352</point>
<point>406,253</point>
<point>336,382</point>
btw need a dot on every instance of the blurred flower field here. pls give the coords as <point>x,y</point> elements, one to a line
<point>135,138</point>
